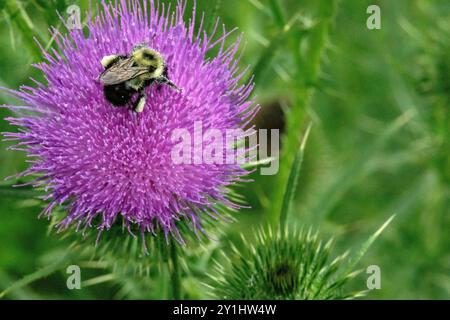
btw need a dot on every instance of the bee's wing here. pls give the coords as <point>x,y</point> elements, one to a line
<point>121,71</point>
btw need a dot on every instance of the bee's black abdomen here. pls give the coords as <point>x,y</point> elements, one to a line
<point>118,94</point>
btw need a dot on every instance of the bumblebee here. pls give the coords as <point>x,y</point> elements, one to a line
<point>127,75</point>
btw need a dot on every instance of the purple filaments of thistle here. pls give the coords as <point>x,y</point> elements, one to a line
<point>107,165</point>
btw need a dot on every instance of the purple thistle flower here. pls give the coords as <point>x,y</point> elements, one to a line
<point>108,164</point>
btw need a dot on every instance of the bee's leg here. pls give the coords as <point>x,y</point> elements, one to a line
<point>140,103</point>
<point>163,80</point>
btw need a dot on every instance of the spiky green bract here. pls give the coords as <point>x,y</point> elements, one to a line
<point>141,266</point>
<point>283,265</point>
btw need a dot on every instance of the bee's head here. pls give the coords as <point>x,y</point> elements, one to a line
<point>150,58</point>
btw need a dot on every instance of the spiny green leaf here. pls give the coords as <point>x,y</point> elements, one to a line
<point>277,12</point>
<point>39,274</point>
<point>11,31</point>
<point>21,293</point>
<point>356,257</point>
<point>291,187</point>
<point>253,164</point>
<point>8,191</point>
<point>260,6</point>
<point>97,280</point>
<point>264,61</point>
<point>25,25</point>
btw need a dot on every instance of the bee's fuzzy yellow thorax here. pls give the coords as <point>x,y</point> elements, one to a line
<point>149,58</point>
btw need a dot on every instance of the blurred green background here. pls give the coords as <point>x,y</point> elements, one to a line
<point>379,101</point>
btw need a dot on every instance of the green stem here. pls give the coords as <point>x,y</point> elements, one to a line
<point>175,271</point>
<point>308,64</point>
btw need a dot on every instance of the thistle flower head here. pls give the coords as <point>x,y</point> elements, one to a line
<point>105,164</point>
<point>282,265</point>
